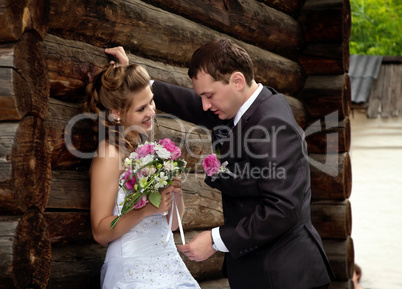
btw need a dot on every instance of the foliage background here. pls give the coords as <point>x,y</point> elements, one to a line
<point>376,27</point>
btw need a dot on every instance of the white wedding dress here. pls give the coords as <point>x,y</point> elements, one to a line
<point>143,259</point>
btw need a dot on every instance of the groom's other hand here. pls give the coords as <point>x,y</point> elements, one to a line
<point>199,248</point>
<point>120,55</point>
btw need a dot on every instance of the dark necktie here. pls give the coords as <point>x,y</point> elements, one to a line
<point>222,133</point>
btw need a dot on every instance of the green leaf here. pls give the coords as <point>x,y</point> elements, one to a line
<point>155,198</point>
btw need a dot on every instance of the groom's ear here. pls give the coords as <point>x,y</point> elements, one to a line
<point>238,80</point>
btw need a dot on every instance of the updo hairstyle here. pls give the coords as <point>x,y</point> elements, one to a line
<point>113,88</point>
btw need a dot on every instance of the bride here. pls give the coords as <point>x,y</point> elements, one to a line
<point>139,254</point>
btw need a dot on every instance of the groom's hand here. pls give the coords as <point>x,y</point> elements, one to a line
<point>120,54</point>
<point>199,248</point>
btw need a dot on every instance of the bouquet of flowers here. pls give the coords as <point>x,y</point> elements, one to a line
<point>149,168</point>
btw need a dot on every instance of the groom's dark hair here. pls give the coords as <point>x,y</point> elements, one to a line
<point>220,58</point>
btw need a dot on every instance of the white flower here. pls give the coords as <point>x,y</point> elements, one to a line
<point>162,152</point>
<point>161,181</point>
<point>136,163</point>
<point>146,159</point>
<point>143,181</point>
<point>150,170</point>
<point>128,162</point>
<point>133,155</point>
<point>169,165</point>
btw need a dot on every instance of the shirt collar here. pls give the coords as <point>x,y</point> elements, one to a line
<point>247,104</point>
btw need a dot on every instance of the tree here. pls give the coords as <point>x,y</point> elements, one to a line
<point>376,27</point>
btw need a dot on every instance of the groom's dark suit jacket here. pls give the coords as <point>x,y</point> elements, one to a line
<point>267,226</point>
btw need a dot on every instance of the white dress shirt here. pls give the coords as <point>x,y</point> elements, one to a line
<point>216,236</point>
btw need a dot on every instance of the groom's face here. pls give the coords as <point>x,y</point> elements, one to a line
<point>219,97</point>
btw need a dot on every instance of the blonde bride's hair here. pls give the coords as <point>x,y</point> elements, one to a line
<point>114,88</point>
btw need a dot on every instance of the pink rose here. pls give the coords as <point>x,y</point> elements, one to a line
<point>141,202</point>
<point>130,182</point>
<point>145,150</point>
<point>211,164</point>
<point>169,145</point>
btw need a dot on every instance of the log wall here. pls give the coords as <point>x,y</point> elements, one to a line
<point>50,50</point>
<point>327,99</point>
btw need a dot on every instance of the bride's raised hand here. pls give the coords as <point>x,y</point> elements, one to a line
<point>119,53</point>
<point>167,198</point>
<point>176,182</point>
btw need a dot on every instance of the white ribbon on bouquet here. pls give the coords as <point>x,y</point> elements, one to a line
<point>174,205</point>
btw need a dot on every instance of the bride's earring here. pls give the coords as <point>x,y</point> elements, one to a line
<point>116,119</point>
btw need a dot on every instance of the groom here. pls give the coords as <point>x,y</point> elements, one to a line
<point>267,236</point>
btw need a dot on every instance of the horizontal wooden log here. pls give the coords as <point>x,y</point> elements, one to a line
<point>73,146</point>
<point>8,229</point>
<point>291,7</point>
<point>250,21</point>
<point>203,204</point>
<point>77,265</point>
<point>164,36</point>
<point>67,210</point>
<point>72,143</point>
<point>24,165</point>
<point>23,78</point>
<point>70,147</point>
<point>19,16</point>
<point>194,141</point>
<point>341,258</point>
<point>203,208</point>
<point>326,21</point>
<point>325,58</point>
<point>74,262</point>
<point>14,91</point>
<point>73,64</point>
<point>325,95</point>
<point>206,270</point>
<point>25,251</point>
<point>328,136</point>
<point>66,228</point>
<point>298,110</point>
<point>69,190</point>
<point>331,176</point>
<point>9,202</point>
<point>332,219</point>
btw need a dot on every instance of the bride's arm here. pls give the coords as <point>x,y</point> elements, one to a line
<point>105,173</point>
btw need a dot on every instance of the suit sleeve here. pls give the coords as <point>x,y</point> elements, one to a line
<point>269,191</point>
<point>183,103</point>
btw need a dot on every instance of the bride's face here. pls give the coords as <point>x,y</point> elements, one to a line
<point>140,115</point>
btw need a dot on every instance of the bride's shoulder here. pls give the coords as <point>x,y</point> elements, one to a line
<point>106,157</point>
<point>106,150</point>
